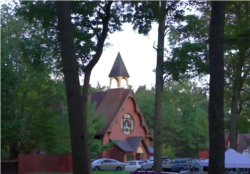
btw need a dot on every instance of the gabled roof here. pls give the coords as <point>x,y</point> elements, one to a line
<point>134,141</point>
<point>131,144</point>
<point>97,98</point>
<point>242,141</point>
<point>119,68</point>
<point>109,104</point>
<point>124,145</point>
<point>150,149</point>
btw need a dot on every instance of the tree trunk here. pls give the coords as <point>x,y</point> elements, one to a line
<point>233,119</point>
<point>87,73</point>
<point>216,91</point>
<point>72,84</point>
<point>13,151</point>
<point>159,91</point>
<point>237,86</point>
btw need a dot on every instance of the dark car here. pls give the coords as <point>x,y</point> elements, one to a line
<point>182,164</point>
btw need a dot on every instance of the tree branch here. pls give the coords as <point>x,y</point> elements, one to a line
<point>245,91</point>
<point>154,46</point>
<point>171,6</point>
<point>101,39</point>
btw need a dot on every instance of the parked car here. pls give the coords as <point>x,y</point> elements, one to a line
<point>152,158</point>
<point>149,165</point>
<point>202,159</point>
<point>182,164</point>
<point>133,165</point>
<point>107,164</point>
<point>195,169</point>
<point>92,160</point>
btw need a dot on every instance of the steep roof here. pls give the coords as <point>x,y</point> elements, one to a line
<point>131,144</point>
<point>124,145</point>
<point>150,149</point>
<point>134,141</point>
<point>119,68</point>
<point>242,141</point>
<point>110,102</point>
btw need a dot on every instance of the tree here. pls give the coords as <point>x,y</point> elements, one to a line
<point>216,89</point>
<point>145,99</point>
<point>78,132</point>
<point>95,123</point>
<point>19,74</point>
<point>164,14</point>
<point>184,117</point>
<point>63,135</point>
<point>85,35</point>
<point>240,60</point>
<point>190,55</point>
<point>35,105</point>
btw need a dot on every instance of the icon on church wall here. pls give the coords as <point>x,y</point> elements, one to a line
<point>127,124</point>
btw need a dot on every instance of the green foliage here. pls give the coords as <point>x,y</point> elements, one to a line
<point>34,115</point>
<point>189,54</point>
<point>189,49</point>
<point>148,107</point>
<point>168,152</point>
<point>87,20</point>
<point>185,118</point>
<point>26,89</point>
<point>95,123</point>
<point>146,13</point>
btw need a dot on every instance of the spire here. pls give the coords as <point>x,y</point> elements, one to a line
<point>118,72</point>
<point>118,68</point>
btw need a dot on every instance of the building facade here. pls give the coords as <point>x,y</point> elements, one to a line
<point>124,121</point>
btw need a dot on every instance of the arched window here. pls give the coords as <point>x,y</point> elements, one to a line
<point>127,124</point>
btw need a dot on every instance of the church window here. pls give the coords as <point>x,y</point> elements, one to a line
<point>127,124</point>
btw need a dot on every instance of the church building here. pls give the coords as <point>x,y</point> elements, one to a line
<point>124,121</point>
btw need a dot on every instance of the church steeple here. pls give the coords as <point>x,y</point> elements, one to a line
<point>119,72</point>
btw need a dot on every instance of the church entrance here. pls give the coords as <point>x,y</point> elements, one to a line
<point>139,153</point>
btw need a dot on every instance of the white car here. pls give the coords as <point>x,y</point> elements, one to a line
<point>133,165</point>
<point>149,165</point>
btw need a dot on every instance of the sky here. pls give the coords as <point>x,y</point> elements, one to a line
<point>137,53</point>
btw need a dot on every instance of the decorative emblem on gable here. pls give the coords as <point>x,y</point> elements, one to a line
<point>127,124</point>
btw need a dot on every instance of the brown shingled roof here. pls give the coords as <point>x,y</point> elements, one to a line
<point>97,98</point>
<point>109,103</point>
